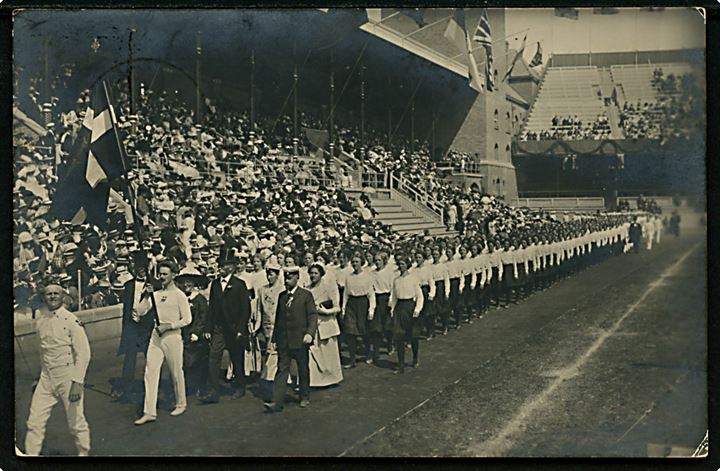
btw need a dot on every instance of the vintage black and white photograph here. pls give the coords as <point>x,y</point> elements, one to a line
<point>360,232</point>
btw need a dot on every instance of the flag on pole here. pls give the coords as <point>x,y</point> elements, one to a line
<point>518,55</point>
<point>569,13</point>
<point>489,69</point>
<point>455,30</point>
<point>483,35</point>
<point>457,27</point>
<point>476,81</point>
<point>95,160</point>
<point>537,59</point>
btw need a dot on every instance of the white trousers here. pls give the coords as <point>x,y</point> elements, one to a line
<point>168,347</point>
<point>49,392</point>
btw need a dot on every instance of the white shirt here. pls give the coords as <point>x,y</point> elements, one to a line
<point>224,281</point>
<point>383,279</point>
<point>172,307</point>
<point>406,287</point>
<point>64,346</point>
<point>360,285</point>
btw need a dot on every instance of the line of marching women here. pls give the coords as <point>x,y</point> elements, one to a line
<point>343,305</point>
<point>340,306</point>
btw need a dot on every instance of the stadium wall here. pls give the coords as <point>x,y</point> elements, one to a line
<point>486,131</point>
<point>669,172</point>
<point>607,59</point>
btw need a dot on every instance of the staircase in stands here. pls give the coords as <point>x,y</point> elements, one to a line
<point>406,208</point>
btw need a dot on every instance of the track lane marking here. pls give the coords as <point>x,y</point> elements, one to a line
<point>503,441</point>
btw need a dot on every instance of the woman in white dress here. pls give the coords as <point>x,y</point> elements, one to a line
<point>325,369</point>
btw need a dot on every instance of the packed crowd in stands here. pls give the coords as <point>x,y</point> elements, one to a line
<point>190,206</point>
<point>571,128</point>
<point>259,223</point>
<point>677,112</point>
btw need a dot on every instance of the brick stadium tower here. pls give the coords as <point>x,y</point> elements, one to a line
<point>485,132</point>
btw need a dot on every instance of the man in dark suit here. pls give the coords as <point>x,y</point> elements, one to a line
<point>295,325</point>
<point>136,329</point>
<point>227,324</point>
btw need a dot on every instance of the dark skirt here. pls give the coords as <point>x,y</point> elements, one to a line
<point>495,280</point>
<point>508,280</point>
<point>356,313</point>
<point>439,292</point>
<point>426,302</point>
<point>517,282</point>
<point>468,293</point>
<point>405,326</point>
<point>455,293</point>
<point>381,321</point>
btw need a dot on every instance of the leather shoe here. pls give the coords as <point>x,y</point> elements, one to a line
<point>178,411</point>
<point>210,398</point>
<point>271,407</point>
<point>145,419</point>
<point>304,403</point>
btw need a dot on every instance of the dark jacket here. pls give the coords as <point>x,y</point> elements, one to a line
<point>195,353</point>
<point>635,232</point>
<point>198,326</point>
<point>135,336</point>
<point>229,310</point>
<point>291,324</point>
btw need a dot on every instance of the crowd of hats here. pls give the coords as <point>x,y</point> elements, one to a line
<point>257,211</point>
<point>677,112</point>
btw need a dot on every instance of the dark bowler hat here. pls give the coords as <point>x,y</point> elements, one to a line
<point>227,256</point>
<point>140,259</point>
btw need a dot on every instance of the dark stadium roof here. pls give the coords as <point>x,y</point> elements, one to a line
<point>427,41</point>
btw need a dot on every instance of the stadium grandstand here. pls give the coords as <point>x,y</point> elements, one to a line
<point>407,106</point>
<point>478,141</point>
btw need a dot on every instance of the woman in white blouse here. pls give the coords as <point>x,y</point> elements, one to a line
<point>358,307</point>
<point>325,369</point>
<point>406,303</point>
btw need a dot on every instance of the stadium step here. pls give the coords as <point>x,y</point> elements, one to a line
<point>403,217</point>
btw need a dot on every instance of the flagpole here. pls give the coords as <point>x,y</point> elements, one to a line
<point>252,89</point>
<point>198,53</point>
<point>362,115</point>
<point>295,100</point>
<point>331,120</point>
<point>139,234</point>
<point>79,282</point>
<point>131,76</point>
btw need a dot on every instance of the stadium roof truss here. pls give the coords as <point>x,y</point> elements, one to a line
<point>427,41</point>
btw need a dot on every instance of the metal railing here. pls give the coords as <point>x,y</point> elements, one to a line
<point>401,188</point>
<point>562,203</point>
<point>461,167</point>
